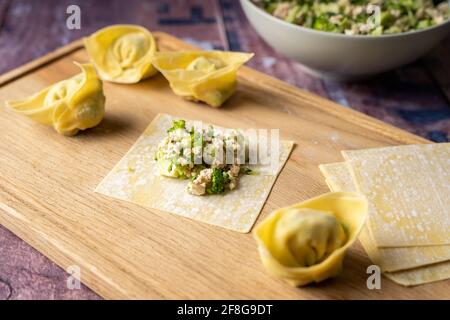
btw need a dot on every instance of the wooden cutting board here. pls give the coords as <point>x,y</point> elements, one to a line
<point>126,251</point>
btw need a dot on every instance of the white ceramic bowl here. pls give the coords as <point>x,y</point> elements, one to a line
<point>341,56</point>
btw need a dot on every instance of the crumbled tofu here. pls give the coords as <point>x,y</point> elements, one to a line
<point>204,176</point>
<point>198,154</point>
<point>197,189</point>
<point>354,17</point>
<point>282,10</point>
<point>198,185</point>
<point>234,170</point>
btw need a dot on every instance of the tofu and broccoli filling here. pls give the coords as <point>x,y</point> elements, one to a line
<point>360,17</point>
<point>210,158</point>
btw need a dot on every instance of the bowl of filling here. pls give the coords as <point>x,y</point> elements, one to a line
<point>350,39</point>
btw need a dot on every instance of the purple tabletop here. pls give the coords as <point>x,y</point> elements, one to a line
<point>415,97</point>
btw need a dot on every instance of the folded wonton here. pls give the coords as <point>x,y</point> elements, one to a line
<point>70,105</point>
<point>208,76</point>
<point>306,242</point>
<point>122,53</point>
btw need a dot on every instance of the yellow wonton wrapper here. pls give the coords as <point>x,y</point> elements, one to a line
<point>137,179</point>
<point>413,265</point>
<point>70,105</point>
<point>122,53</point>
<point>208,76</point>
<point>349,209</point>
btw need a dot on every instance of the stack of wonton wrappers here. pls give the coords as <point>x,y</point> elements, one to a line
<point>408,189</point>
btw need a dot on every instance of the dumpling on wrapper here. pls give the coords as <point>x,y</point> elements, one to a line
<point>306,242</point>
<point>208,76</point>
<point>70,105</point>
<point>122,53</point>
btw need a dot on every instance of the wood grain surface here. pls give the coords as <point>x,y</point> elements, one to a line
<point>415,97</point>
<point>125,251</point>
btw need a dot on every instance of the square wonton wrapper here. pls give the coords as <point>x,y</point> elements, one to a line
<point>136,179</point>
<point>408,188</point>
<point>339,179</point>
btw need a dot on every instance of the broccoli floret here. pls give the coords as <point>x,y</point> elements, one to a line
<point>219,180</point>
<point>246,170</point>
<point>177,124</point>
<point>181,172</point>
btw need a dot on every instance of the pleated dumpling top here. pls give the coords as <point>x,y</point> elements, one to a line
<point>70,105</point>
<point>208,76</point>
<point>306,242</point>
<point>122,53</point>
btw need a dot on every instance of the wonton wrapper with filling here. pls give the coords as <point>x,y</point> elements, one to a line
<point>306,242</point>
<point>122,53</point>
<point>137,179</point>
<point>70,105</point>
<point>208,76</point>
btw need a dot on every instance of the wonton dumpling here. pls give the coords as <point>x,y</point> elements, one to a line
<point>306,242</point>
<point>208,76</point>
<point>70,105</point>
<point>122,53</point>
<point>304,237</point>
